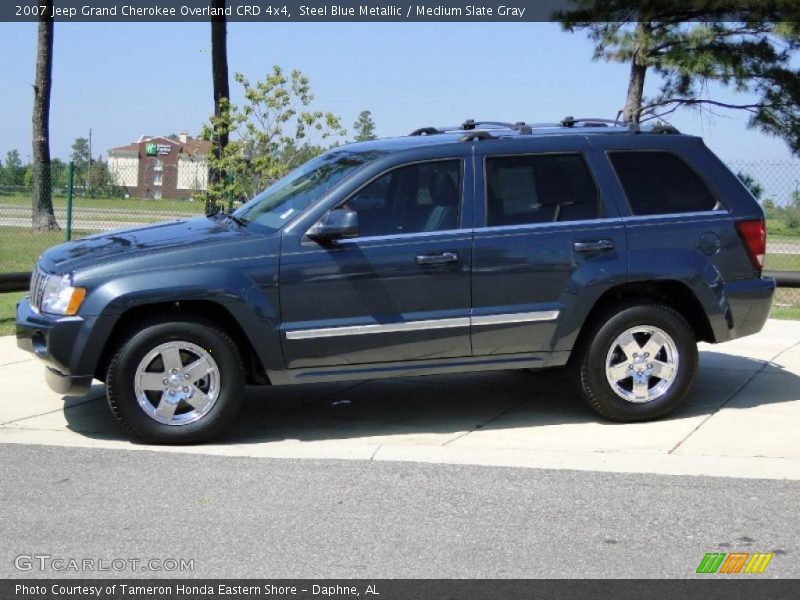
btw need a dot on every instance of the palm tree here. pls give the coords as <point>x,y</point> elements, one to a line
<point>42,199</point>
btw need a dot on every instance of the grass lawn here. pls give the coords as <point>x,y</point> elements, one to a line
<point>777,230</point>
<point>143,204</point>
<point>782,262</point>
<point>8,304</point>
<point>20,247</point>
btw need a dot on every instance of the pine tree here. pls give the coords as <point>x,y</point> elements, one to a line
<point>364,127</point>
<point>691,44</point>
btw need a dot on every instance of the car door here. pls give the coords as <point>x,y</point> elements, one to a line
<point>546,241</point>
<point>400,290</point>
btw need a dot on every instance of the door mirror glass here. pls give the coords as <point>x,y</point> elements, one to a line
<point>335,225</point>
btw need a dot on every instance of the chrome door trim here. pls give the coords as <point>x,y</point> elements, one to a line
<point>502,319</point>
<point>527,317</point>
<point>304,334</point>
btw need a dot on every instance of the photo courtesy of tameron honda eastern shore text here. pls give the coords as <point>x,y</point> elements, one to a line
<point>607,248</point>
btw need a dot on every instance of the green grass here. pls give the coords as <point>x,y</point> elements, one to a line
<point>791,314</point>
<point>8,306</point>
<point>782,262</point>
<point>135,204</point>
<point>778,230</point>
<point>20,247</point>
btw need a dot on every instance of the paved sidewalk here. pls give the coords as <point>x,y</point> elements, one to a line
<point>742,419</point>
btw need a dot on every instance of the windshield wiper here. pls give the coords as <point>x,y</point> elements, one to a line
<point>229,215</point>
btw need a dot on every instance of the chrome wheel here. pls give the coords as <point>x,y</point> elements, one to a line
<point>177,383</point>
<point>642,364</point>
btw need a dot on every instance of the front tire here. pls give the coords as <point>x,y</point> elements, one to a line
<point>176,382</point>
<point>638,363</point>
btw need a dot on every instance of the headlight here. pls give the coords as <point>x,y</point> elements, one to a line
<point>60,298</point>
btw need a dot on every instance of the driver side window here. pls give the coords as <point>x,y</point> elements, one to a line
<point>412,199</point>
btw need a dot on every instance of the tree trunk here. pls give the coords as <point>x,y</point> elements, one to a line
<point>42,200</point>
<point>219,68</point>
<point>633,101</point>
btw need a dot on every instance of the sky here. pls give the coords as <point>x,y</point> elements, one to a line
<point>124,80</point>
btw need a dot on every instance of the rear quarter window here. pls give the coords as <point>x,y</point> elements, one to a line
<point>661,183</point>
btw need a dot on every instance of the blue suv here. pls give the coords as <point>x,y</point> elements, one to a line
<point>606,248</point>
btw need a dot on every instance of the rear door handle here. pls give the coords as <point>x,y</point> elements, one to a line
<point>439,258</point>
<point>593,245</point>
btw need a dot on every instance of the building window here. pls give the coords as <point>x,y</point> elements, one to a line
<point>157,195</point>
<point>157,178</point>
<point>158,165</point>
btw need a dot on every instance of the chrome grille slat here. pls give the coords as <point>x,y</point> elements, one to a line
<point>38,281</point>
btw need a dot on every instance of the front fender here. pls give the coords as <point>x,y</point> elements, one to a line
<point>249,295</point>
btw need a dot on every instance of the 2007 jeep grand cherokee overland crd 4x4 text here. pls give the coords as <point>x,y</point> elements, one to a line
<point>605,248</point>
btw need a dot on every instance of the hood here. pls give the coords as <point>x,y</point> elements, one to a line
<point>185,235</point>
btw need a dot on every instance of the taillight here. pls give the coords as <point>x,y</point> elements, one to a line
<point>754,236</point>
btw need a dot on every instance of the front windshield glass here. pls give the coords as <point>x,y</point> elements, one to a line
<point>290,195</point>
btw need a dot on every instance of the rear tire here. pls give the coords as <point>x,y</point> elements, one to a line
<point>176,382</point>
<point>638,362</point>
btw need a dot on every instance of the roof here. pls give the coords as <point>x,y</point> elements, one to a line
<point>192,147</point>
<point>477,130</point>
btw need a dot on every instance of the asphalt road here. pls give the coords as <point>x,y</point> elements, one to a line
<point>262,517</point>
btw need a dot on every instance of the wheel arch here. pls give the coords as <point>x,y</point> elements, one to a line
<point>205,310</point>
<point>672,293</point>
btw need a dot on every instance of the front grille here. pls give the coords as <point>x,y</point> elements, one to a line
<point>38,282</point>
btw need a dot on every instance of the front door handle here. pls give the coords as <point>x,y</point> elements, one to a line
<point>439,258</point>
<point>593,245</point>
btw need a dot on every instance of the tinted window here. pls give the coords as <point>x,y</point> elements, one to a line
<point>292,194</point>
<point>539,189</point>
<point>658,183</point>
<point>412,199</point>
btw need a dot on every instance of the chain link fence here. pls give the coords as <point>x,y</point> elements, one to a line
<point>776,185</point>
<point>112,195</point>
<point>126,192</point>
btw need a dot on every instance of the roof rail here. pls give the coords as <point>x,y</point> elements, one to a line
<point>426,131</point>
<point>520,126</point>
<point>472,125</point>
<point>588,122</point>
<point>476,135</point>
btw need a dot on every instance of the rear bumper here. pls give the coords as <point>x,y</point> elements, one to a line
<point>747,303</point>
<point>58,342</point>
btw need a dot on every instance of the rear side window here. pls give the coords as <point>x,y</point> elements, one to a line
<point>660,183</point>
<point>539,189</point>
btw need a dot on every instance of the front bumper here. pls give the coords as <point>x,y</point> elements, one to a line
<point>58,342</point>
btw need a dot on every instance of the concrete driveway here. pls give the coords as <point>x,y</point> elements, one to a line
<point>742,419</point>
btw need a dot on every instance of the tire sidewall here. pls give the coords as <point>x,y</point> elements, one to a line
<point>120,382</point>
<point>596,387</point>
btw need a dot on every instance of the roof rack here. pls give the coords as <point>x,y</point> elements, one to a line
<point>476,135</point>
<point>520,126</point>
<point>470,126</point>
<point>588,122</point>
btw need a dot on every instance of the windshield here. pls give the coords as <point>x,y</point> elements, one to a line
<point>289,196</point>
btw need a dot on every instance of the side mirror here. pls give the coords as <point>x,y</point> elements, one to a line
<point>335,225</point>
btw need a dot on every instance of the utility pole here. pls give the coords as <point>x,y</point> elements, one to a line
<point>89,170</point>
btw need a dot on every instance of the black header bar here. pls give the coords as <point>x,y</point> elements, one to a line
<point>382,10</point>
